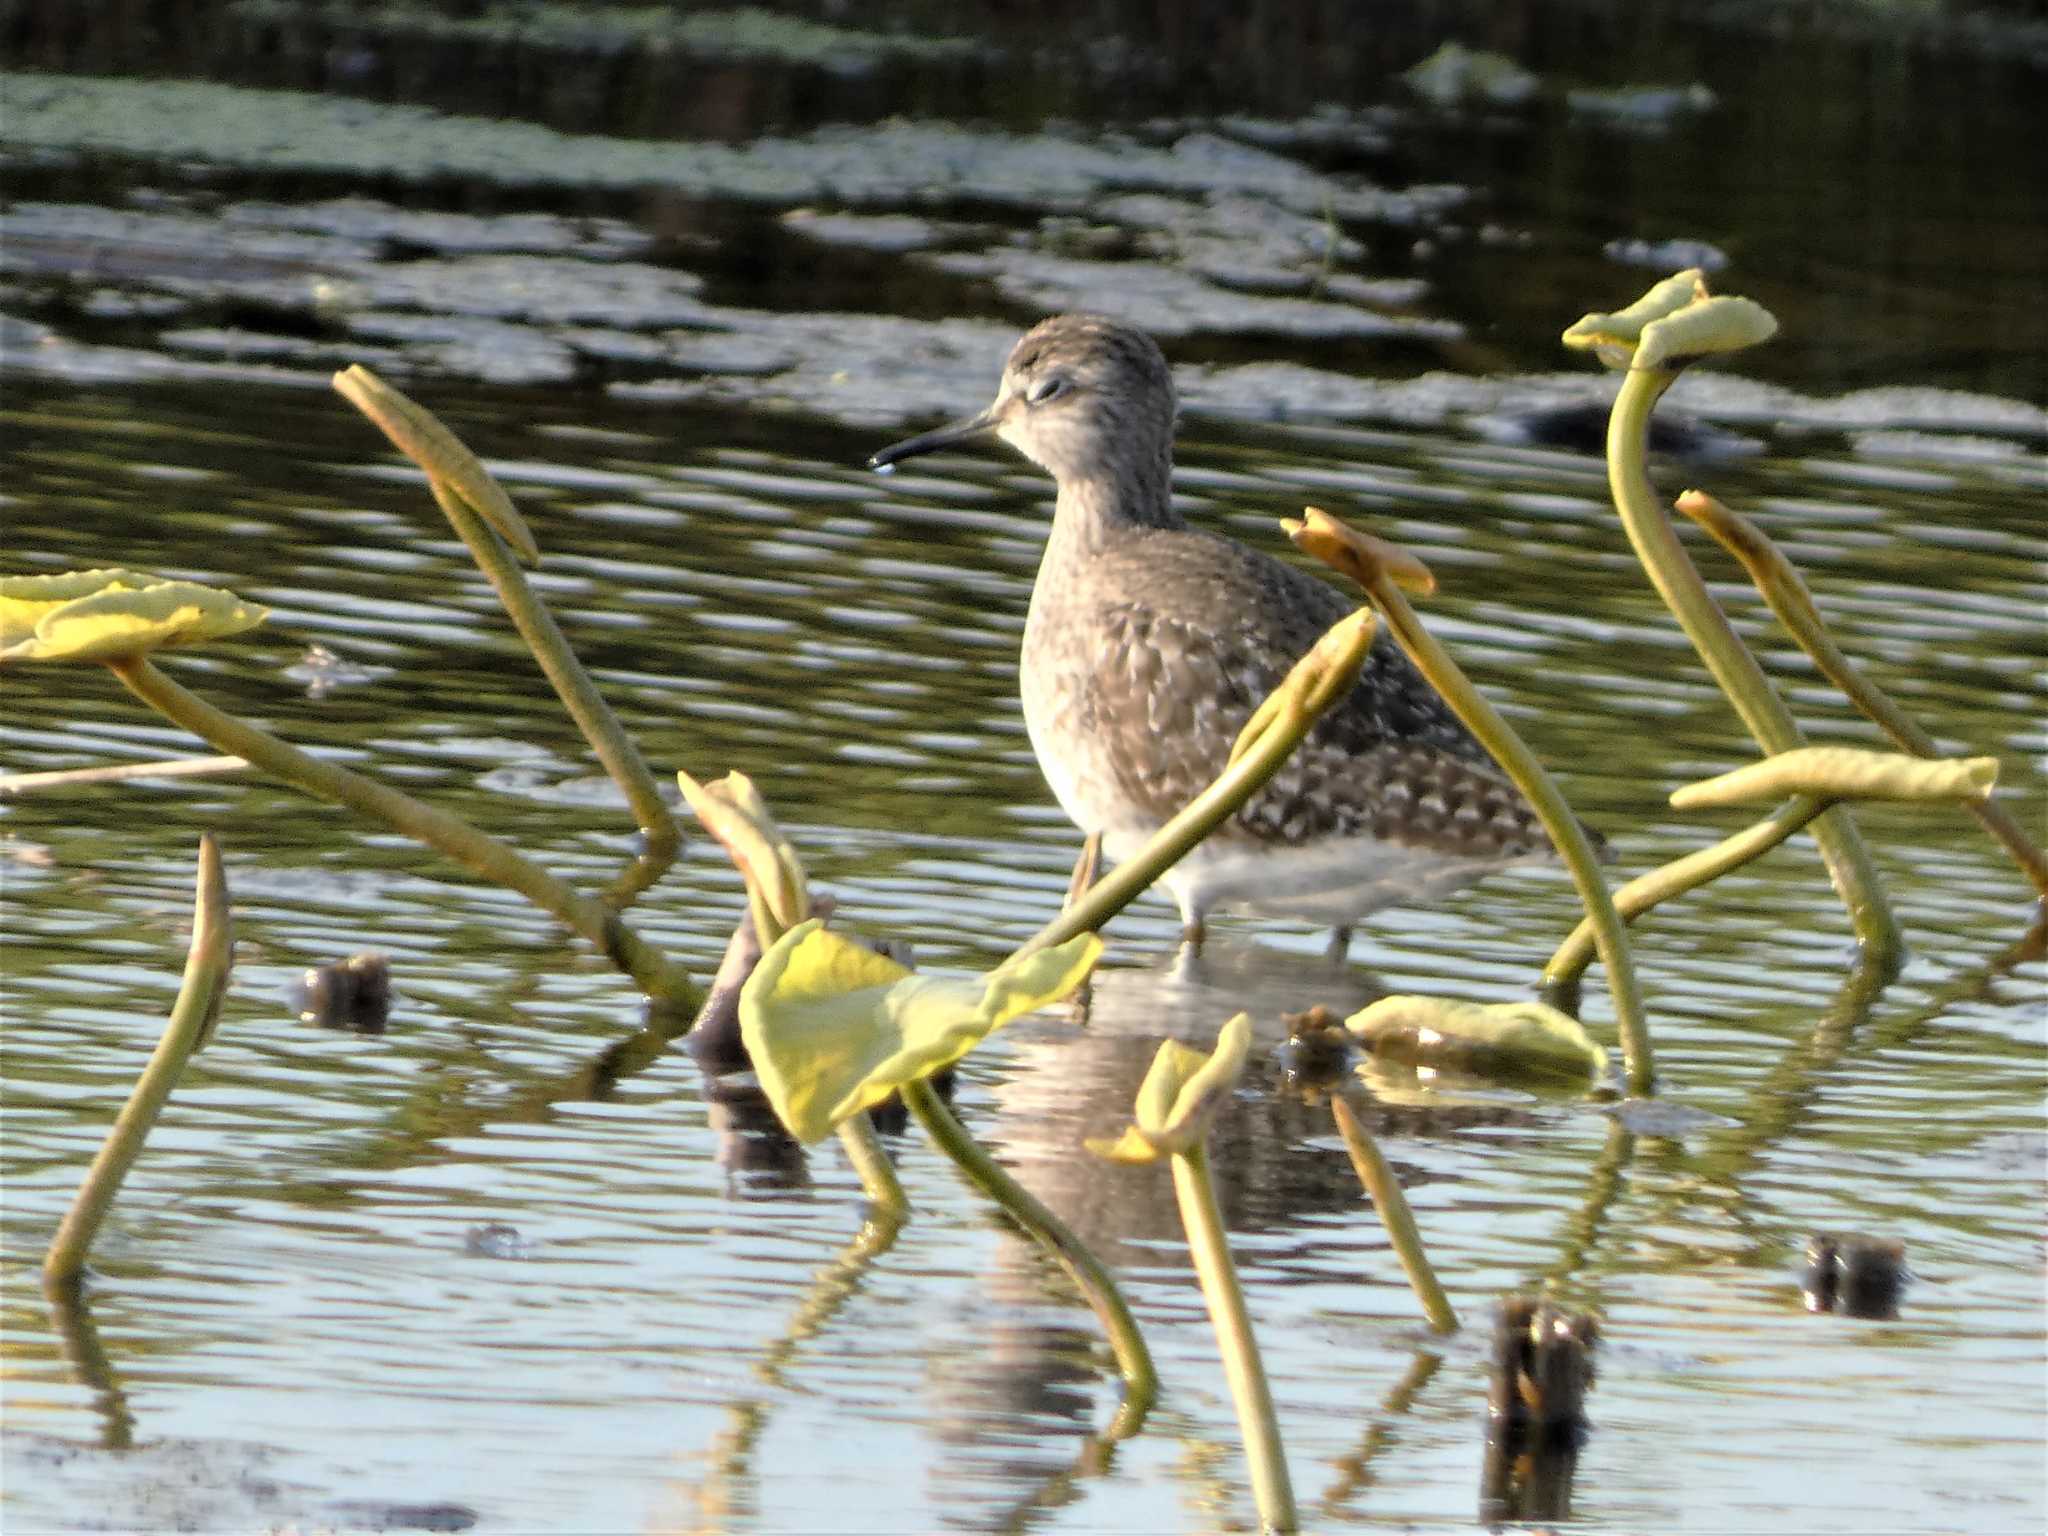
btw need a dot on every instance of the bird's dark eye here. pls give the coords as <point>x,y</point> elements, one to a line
<point>1047,388</point>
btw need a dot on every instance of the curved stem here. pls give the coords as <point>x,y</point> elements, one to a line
<point>207,963</point>
<point>877,1174</point>
<point>1395,1216</point>
<point>1250,767</point>
<point>1778,580</point>
<point>571,682</point>
<point>474,850</point>
<point>1679,876</point>
<point>1509,750</point>
<point>1134,1360</point>
<point>1734,670</point>
<point>485,520</point>
<point>1256,1421</point>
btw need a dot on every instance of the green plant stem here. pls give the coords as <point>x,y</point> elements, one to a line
<point>1734,670</point>
<point>1256,1421</point>
<point>871,1161</point>
<point>1385,1191</point>
<point>207,963</point>
<point>1679,876</point>
<point>1247,773</point>
<point>1509,750</point>
<point>1783,590</point>
<point>1134,1360</point>
<point>475,851</point>
<point>571,681</point>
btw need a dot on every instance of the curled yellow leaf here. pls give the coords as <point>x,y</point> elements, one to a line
<point>1180,1097</point>
<point>108,615</point>
<point>1624,327</point>
<point>1845,773</point>
<point>732,811</point>
<point>834,1028</point>
<point>1328,670</point>
<point>1721,323</point>
<point>1677,320</point>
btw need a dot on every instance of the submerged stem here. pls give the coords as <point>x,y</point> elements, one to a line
<point>1256,1421</point>
<point>1134,1360</point>
<point>476,851</point>
<point>198,1004</point>
<point>1385,1191</point>
<point>1734,670</point>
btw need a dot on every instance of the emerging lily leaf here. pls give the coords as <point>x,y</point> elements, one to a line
<point>1615,336</point>
<point>834,1028</point>
<point>111,614</point>
<point>1677,320</point>
<point>1721,323</point>
<point>1485,1039</point>
<point>1325,674</point>
<point>1180,1097</point>
<point>1845,773</point>
<point>1364,557</point>
<point>419,434</point>
<point>732,811</point>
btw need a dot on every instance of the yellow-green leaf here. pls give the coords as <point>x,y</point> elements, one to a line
<point>1845,773</point>
<point>1624,328</point>
<point>834,1028</point>
<point>420,435</point>
<point>1180,1097</point>
<point>1721,323</point>
<point>732,811</point>
<point>1485,1039</point>
<point>109,614</point>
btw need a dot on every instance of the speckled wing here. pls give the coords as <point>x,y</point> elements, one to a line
<point>1173,674</point>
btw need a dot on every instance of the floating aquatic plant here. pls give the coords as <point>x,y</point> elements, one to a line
<point>110,615</point>
<point>778,902</point>
<point>1844,773</point>
<point>118,617</point>
<point>1176,1104</point>
<point>1817,778</point>
<point>834,1028</point>
<point>1502,1040</point>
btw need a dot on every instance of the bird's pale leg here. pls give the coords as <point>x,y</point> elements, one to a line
<point>1084,869</point>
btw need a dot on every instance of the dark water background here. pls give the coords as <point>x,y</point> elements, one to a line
<point>676,364</point>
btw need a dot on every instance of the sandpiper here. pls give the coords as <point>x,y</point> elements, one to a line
<point>1149,643</point>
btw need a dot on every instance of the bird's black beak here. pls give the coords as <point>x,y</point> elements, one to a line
<point>939,437</point>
